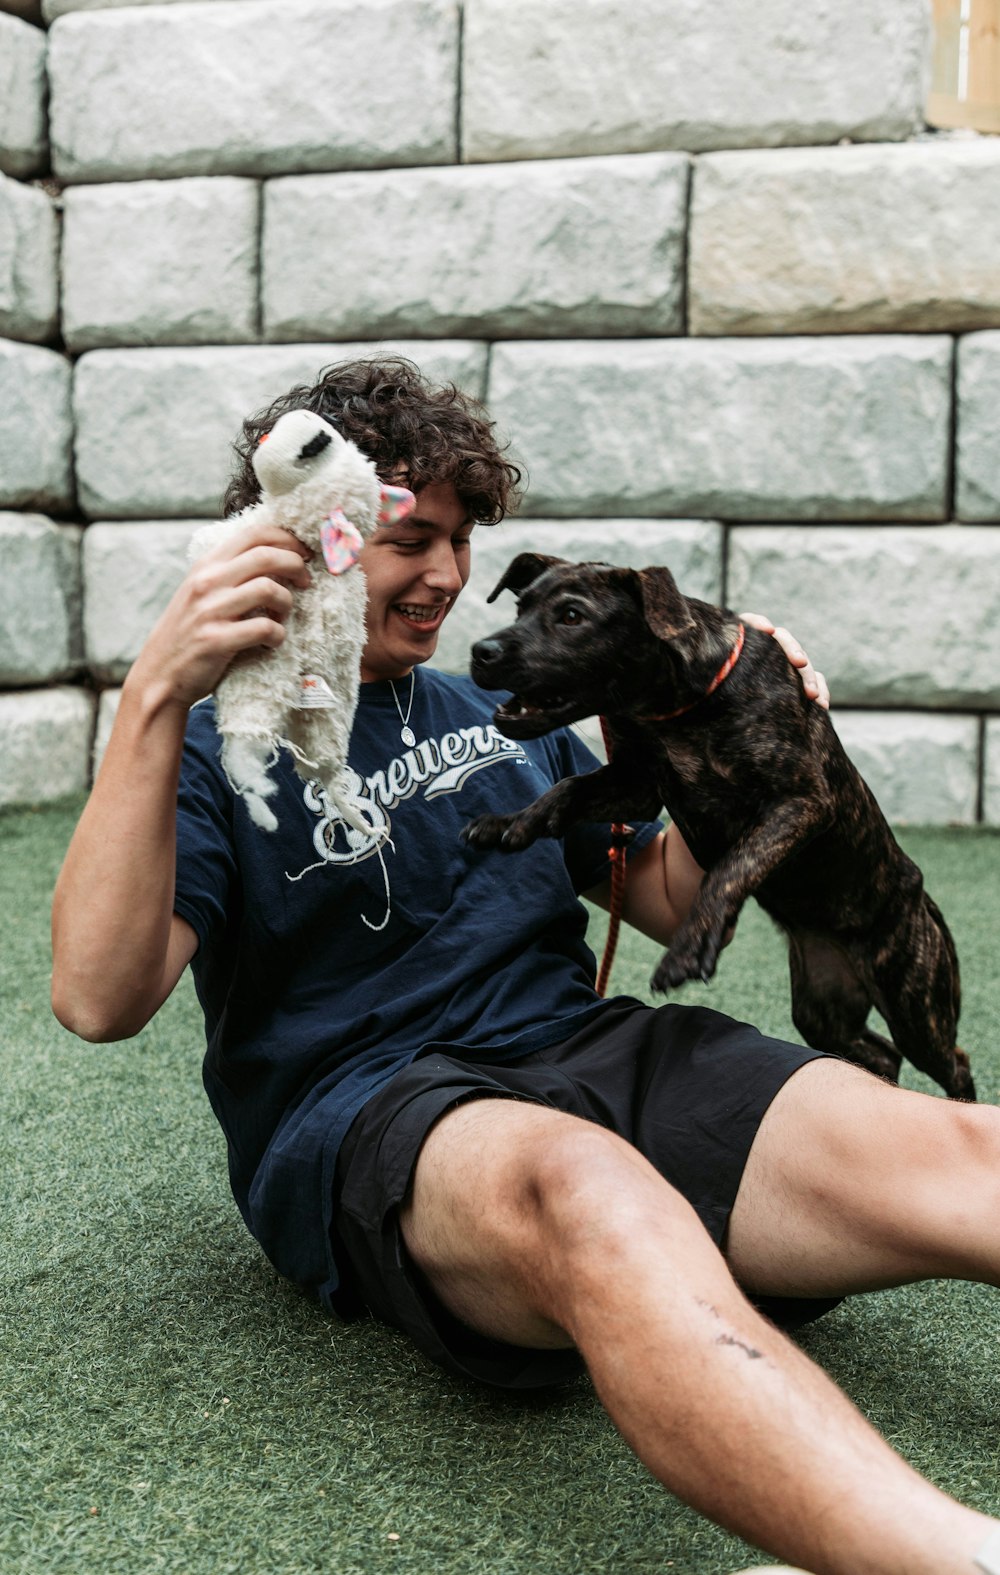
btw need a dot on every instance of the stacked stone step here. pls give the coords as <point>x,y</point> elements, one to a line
<point>738,311</point>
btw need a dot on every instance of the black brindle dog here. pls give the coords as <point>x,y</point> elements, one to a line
<point>759,785</point>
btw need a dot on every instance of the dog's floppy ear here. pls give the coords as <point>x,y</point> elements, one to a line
<point>664,608</point>
<point>526,567</point>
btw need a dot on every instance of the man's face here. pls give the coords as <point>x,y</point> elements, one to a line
<point>414,572</point>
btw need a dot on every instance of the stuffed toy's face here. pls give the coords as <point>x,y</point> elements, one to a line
<point>298,447</point>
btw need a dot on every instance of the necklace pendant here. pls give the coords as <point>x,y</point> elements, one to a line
<point>406,732</point>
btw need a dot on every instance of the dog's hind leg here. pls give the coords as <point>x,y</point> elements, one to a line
<point>915,972</point>
<point>831,1002</point>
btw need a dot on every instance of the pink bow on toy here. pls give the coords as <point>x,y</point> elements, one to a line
<point>341,542</point>
<point>397,503</point>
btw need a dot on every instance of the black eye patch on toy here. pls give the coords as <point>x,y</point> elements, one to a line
<point>315,446</point>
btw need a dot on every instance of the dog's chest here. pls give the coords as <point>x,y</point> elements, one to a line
<point>689,770</point>
<point>704,790</point>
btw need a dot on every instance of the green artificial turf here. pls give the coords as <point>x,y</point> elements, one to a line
<point>168,1404</point>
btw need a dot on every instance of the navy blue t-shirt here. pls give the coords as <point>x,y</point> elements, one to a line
<point>326,963</point>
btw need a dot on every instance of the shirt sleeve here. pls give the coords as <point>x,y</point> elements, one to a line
<point>588,844</point>
<point>207,875</point>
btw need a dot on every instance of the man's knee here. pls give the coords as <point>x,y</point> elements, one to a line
<point>591,1193</point>
<point>944,1189</point>
<point>957,1146</point>
<point>519,1179</point>
<point>517,1209</point>
<point>838,1128</point>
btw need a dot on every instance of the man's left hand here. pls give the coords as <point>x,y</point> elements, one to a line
<point>813,682</point>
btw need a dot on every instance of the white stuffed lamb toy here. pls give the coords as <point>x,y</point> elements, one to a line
<point>302,696</point>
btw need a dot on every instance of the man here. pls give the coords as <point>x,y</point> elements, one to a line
<point>431,1116</point>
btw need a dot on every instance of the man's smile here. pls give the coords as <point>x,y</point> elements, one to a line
<point>427,615</point>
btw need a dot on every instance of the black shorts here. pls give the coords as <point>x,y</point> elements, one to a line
<point>685,1085</point>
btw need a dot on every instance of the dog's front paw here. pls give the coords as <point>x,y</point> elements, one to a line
<point>671,972</point>
<point>694,954</point>
<point>486,831</point>
<point>509,833</point>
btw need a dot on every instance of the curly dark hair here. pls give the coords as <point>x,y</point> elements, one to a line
<point>416,432</point>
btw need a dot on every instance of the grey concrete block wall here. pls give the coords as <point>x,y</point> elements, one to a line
<point>154,428</point>
<point>858,239</point>
<point>991,773</point>
<point>978,450</point>
<point>107,710</point>
<point>820,428</point>
<point>160,262</point>
<point>45,741</point>
<point>29,278</point>
<point>24,134</point>
<point>922,768</point>
<point>130,571</point>
<point>735,309</point>
<point>907,641</point>
<point>53,8</point>
<point>625,76</point>
<point>40,600</point>
<point>563,248</point>
<point>36,428</point>
<point>225,90</point>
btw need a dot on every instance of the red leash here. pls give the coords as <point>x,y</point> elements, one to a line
<point>616,853</point>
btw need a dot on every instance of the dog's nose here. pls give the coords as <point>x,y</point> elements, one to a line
<point>486,652</point>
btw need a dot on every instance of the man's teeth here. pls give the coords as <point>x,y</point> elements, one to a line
<point>418,614</point>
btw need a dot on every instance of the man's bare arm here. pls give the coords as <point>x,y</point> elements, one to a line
<point>662,881</point>
<point>118,946</point>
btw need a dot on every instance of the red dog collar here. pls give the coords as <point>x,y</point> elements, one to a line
<point>720,678</point>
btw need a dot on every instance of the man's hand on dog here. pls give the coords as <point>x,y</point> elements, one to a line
<point>813,682</point>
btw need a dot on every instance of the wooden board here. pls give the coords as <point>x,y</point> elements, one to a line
<point>965,76</point>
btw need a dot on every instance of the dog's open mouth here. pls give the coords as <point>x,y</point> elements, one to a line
<point>524,716</point>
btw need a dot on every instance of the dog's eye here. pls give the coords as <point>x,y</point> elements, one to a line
<point>570,615</point>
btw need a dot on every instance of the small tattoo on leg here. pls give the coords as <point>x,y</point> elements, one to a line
<point>730,1339</point>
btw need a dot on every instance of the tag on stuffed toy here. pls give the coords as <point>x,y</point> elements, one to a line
<point>341,542</point>
<point>316,694</point>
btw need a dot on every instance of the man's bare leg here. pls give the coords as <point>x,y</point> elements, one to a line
<point>853,1184</point>
<point>543,1230</point>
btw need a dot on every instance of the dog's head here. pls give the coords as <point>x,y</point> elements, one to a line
<point>587,640</point>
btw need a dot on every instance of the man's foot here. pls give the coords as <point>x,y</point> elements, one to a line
<point>987,1560</point>
<point>988,1557</point>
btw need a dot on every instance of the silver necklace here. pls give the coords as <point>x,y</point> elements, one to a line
<point>406,732</point>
